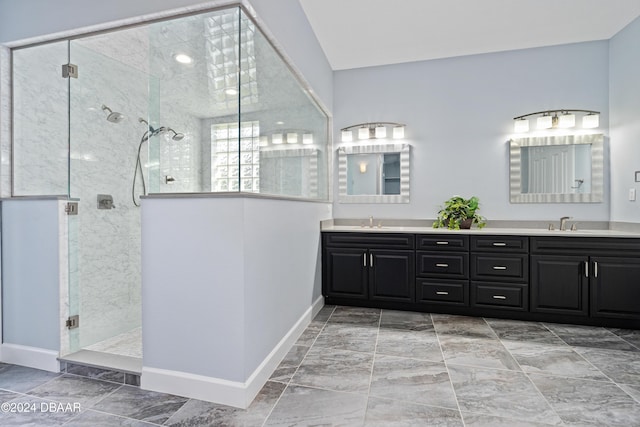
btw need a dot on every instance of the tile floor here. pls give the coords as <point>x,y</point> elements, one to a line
<point>368,367</point>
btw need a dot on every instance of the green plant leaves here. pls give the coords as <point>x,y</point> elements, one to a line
<point>456,210</point>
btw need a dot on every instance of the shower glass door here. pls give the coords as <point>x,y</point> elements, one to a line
<point>105,101</point>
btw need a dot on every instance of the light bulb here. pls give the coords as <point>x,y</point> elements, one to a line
<point>544,122</point>
<point>292,138</point>
<point>521,125</point>
<point>567,121</point>
<point>307,138</point>
<point>591,121</point>
<point>398,132</point>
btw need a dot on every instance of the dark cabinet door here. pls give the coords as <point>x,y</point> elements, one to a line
<point>345,273</point>
<point>559,285</point>
<point>392,275</point>
<point>615,287</point>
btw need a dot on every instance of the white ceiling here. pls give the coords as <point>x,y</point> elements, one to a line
<point>362,33</point>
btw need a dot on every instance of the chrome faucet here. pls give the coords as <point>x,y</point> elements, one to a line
<point>563,223</point>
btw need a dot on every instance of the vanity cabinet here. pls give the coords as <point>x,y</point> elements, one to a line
<point>368,266</point>
<point>586,277</point>
<point>564,278</point>
<point>442,270</point>
<point>615,287</point>
<point>500,272</point>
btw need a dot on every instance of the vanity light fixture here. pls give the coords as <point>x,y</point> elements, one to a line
<point>288,136</point>
<point>376,130</point>
<point>552,119</point>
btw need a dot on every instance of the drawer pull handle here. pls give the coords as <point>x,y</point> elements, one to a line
<point>364,260</point>
<point>442,293</point>
<point>442,265</point>
<point>442,243</point>
<point>499,297</point>
<point>499,244</point>
<point>499,267</point>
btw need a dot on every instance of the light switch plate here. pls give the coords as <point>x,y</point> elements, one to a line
<point>632,194</point>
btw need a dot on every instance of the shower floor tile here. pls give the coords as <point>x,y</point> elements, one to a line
<point>126,344</point>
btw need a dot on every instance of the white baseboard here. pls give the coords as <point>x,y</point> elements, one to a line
<point>32,357</point>
<point>232,393</point>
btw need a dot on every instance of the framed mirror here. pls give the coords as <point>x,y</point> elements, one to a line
<point>557,169</point>
<point>374,173</point>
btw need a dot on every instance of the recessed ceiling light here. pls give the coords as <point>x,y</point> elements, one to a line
<point>280,123</point>
<point>183,58</point>
<point>231,91</point>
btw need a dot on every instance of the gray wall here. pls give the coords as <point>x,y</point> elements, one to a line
<point>459,113</point>
<point>624,102</point>
<point>30,268</point>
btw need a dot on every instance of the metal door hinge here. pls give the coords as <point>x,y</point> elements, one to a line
<point>73,322</point>
<point>71,208</point>
<point>69,70</point>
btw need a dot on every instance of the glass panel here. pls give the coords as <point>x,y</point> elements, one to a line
<point>105,103</point>
<point>40,121</point>
<point>293,135</point>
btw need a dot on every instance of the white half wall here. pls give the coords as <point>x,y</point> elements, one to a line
<point>31,282</point>
<point>228,284</point>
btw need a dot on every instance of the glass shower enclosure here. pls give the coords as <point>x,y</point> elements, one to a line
<point>197,104</point>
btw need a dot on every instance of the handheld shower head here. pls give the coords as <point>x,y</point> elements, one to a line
<point>114,116</point>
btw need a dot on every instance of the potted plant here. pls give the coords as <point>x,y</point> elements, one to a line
<point>458,213</point>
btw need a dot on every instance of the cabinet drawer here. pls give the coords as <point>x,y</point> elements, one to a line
<point>436,264</point>
<point>369,240</point>
<point>442,291</point>
<point>498,295</point>
<point>499,244</point>
<point>500,266</point>
<point>442,243</point>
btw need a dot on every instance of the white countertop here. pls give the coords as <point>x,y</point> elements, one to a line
<point>476,231</point>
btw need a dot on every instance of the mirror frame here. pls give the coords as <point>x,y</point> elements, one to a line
<point>405,168</point>
<point>597,169</point>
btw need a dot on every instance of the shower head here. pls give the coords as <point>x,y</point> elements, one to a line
<point>114,116</point>
<point>177,136</point>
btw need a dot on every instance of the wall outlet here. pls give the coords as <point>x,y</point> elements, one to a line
<point>632,194</point>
